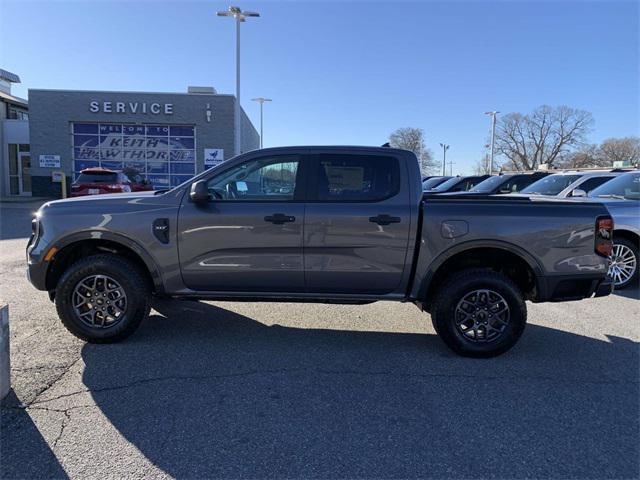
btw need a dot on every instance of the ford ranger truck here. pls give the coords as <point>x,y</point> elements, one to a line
<point>319,224</point>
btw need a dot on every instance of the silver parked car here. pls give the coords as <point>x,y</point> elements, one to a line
<point>622,198</point>
<point>570,183</point>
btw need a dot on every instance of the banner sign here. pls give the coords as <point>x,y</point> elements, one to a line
<point>213,156</point>
<point>49,161</point>
<point>165,155</point>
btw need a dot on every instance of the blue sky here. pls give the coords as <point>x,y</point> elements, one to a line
<point>346,73</point>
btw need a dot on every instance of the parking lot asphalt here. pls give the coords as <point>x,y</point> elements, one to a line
<point>221,389</point>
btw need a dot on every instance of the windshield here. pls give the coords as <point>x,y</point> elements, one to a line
<point>95,177</point>
<point>551,185</point>
<point>625,186</point>
<point>433,182</point>
<point>490,184</point>
<point>447,185</point>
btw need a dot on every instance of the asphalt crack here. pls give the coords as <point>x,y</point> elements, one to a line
<point>50,384</point>
<point>146,381</point>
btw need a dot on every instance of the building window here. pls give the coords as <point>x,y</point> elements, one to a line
<point>164,155</point>
<point>17,114</point>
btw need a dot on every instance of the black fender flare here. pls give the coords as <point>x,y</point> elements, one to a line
<point>533,263</point>
<point>123,240</point>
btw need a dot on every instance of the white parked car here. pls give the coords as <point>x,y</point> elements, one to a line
<point>570,183</point>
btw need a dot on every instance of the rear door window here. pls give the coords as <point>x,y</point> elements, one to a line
<point>355,178</point>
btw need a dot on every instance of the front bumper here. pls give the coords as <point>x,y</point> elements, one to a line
<point>37,273</point>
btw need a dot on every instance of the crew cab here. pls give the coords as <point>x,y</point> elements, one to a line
<point>319,224</point>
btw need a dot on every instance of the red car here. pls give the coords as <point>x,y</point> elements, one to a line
<point>97,181</point>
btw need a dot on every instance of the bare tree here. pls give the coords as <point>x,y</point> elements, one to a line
<point>409,138</point>
<point>527,141</point>
<point>482,166</point>
<point>621,150</point>
<point>587,156</point>
<point>603,155</point>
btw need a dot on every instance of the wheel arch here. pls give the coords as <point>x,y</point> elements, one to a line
<point>628,234</point>
<point>503,257</point>
<point>80,245</point>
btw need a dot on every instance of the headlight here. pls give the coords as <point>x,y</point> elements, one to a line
<point>36,231</point>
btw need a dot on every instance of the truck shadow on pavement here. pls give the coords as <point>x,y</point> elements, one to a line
<point>206,392</point>
<point>24,453</point>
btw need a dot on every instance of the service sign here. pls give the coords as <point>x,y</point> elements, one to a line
<point>213,156</point>
<point>49,161</point>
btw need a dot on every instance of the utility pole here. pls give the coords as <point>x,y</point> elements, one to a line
<point>239,17</point>
<point>261,101</point>
<point>445,147</point>
<point>451,162</point>
<point>493,137</point>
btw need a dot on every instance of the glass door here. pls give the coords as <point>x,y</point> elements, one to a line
<point>25,173</point>
<point>19,170</point>
<point>24,164</point>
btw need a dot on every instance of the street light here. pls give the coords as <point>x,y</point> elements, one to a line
<point>445,147</point>
<point>493,137</point>
<point>239,16</point>
<point>261,101</point>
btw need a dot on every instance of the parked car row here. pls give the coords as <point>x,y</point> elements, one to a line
<point>618,189</point>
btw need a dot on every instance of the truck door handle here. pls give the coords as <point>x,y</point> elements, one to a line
<point>279,218</point>
<point>384,219</point>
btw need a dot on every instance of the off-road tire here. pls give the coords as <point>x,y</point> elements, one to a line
<point>130,278</point>
<point>454,289</point>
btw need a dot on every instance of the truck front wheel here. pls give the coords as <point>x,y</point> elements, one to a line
<point>102,298</point>
<point>479,313</point>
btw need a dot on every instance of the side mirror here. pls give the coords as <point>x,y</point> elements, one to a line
<point>578,193</point>
<point>200,192</point>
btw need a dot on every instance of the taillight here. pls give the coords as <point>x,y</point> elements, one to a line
<point>604,234</point>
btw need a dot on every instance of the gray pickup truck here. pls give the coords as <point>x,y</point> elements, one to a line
<point>319,224</point>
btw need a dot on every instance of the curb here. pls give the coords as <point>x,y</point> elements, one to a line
<point>5,360</point>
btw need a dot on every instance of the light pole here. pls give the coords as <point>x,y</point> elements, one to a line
<point>261,101</point>
<point>445,147</point>
<point>239,16</point>
<point>493,137</point>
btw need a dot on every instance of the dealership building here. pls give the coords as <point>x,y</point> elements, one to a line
<point>166,138</point>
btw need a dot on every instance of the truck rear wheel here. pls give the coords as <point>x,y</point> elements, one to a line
<point>479,313</point>
<point>102,298</point>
